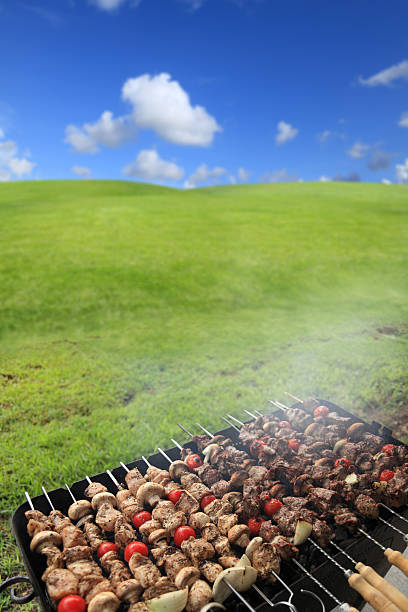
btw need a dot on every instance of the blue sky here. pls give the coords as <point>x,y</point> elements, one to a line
<point>193,92</point>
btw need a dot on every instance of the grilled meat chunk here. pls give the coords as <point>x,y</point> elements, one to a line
<point>321,532</point>
<point>143,570</point>
<point>106,517</point>
<point>124,532</point>
<point>285,549</point>
<point>198,550</point>
<point>199,595</point>
<point>93,534</point>
<point>72,536</point>
<point>323,499</point>
<point>266,559</point>
<point>268,531</point>
<point>58,521</point>
<point>61,582</point>
<point>210,570</point>
<point>77,553</point>
<point>94,488</point>
<point>187,504</point>
<point>163,585</point>
<point>366,506</point>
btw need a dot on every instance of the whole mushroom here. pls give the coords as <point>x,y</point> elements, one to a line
<point>239,535</point>
<point>150,493</point>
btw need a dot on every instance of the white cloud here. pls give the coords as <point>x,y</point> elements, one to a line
<point>11,165</point>
<point>81,171</point>
<point>105,131</point>
<point>278,176</point>
<point>150,167</point>
<point>387,76</point>
<point>162,105</point>
<point>21,167</point>
<point>285,133</point>
<point>358,150</point>
<point>203,175</point>
<point>403,122</point>
<point>323,136</point>
<point>243,175</point>
<point>401,171</point>
<point>8,149</point>
<point>325,179</point>
<point>386,181</point>
<point>5,175</point>
<point>380,160</point>
<point>107,5</point>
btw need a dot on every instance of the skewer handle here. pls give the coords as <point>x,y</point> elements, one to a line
<point>396,558</point>
<point>382,585</point>
<point>371,595</point>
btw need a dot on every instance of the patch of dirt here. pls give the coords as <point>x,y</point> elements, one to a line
<point>389,331</point>
<point>127,398</point>
<point>8,378</point>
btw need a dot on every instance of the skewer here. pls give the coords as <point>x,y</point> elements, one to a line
<point>114,479</point>
<point>393,512</point>
<point>236,420</point>
<point>292,594</point>
<point>48,499</point>
<point>30,503</point>
<point>164,455</point>
<point>373,596</point>
<point>394,556</point>
<point>146,461</point>
<point>404,535</point>
<point>293,397</point>
<point>185,430</point>
<point>230,424</point>
<point>70,492</point>
<point>205,430</point>
<point>176,444</point>
<point>88,479</point>
<point>377,581</point>
<point>125,467</point>
<point>258,413</point>
<point>238,594</point>
<point>278,405</point>
<point>344,607</point>
<point>251,414</point>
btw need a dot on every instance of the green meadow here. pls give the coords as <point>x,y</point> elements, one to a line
<point>125,308</point>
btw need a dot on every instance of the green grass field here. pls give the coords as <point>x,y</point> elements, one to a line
<point>126,307</point>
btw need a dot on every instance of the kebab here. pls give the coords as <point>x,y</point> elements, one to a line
<point>79,583</point>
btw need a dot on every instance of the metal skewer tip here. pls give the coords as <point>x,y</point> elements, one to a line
<point>48,499</point>
<point>70,492</point>
<point>371,538</point>
<point>125,467</point>
<point>347,573</point>
<point>293,397</point>
<point>146,462</point>
<point>176,444</point>
<point>205,430</point>
<point>276,404</point>
<point>251,414</point>
<point>30,503</point>
<point>236,420</point>
<point>164,455</point>
<point>88,479</point>
<point>393,512</point>
<point>404,535</point>
<point>113,479</point>
<point>231,424</point>
<point>185,430</point>
<point>258,413</point>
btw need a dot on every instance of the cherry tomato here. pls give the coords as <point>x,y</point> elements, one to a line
<point>175,495</point>
<point>388,448</point>
<point>342,462</point>
<point>321,411</point>
<point>106,547</point>
<point>284,425</point>
<point>140,518</point>
<point>293,444</point>
<point>255,447</point>
<point>72,603</point>
<point>183,533</point>
<point>386,475</point>
<point>254,524</point>
<point>271,506</point>
<point>193,462</point>
<point>207,499</point>
<point>135,547</point>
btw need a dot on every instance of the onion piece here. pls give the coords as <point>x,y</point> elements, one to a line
<point>211,606</point>
<point>241,578</point>
<point>244,561</point>
<point>302,532</point>
<point>174,601</point>
<point>252,546</point>
<point>351,478</point>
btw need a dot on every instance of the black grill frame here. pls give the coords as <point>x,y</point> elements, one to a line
<point>358,547</point>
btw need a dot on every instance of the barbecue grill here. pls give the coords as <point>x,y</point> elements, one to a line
<point>358,547</point>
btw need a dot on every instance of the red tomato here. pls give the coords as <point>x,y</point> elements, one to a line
<point>183,533</point>
<point>256,447</point>
<point>386,475</point>
<point>72,603</point>
<point>342,462</point>
<point>293,444</point>
<point>254,524</point>
<point>140,518</point>
<point>175,495</point>
<point>135,547</point>
<point>193,462</point>
<point>284,425</point>
<point>321,411</point>
<point>271,506</point>
<point>388,448</point>
<point>106,547</point>
<point>207,499</point>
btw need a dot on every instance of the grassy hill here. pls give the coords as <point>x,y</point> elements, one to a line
<point>127,307</point>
